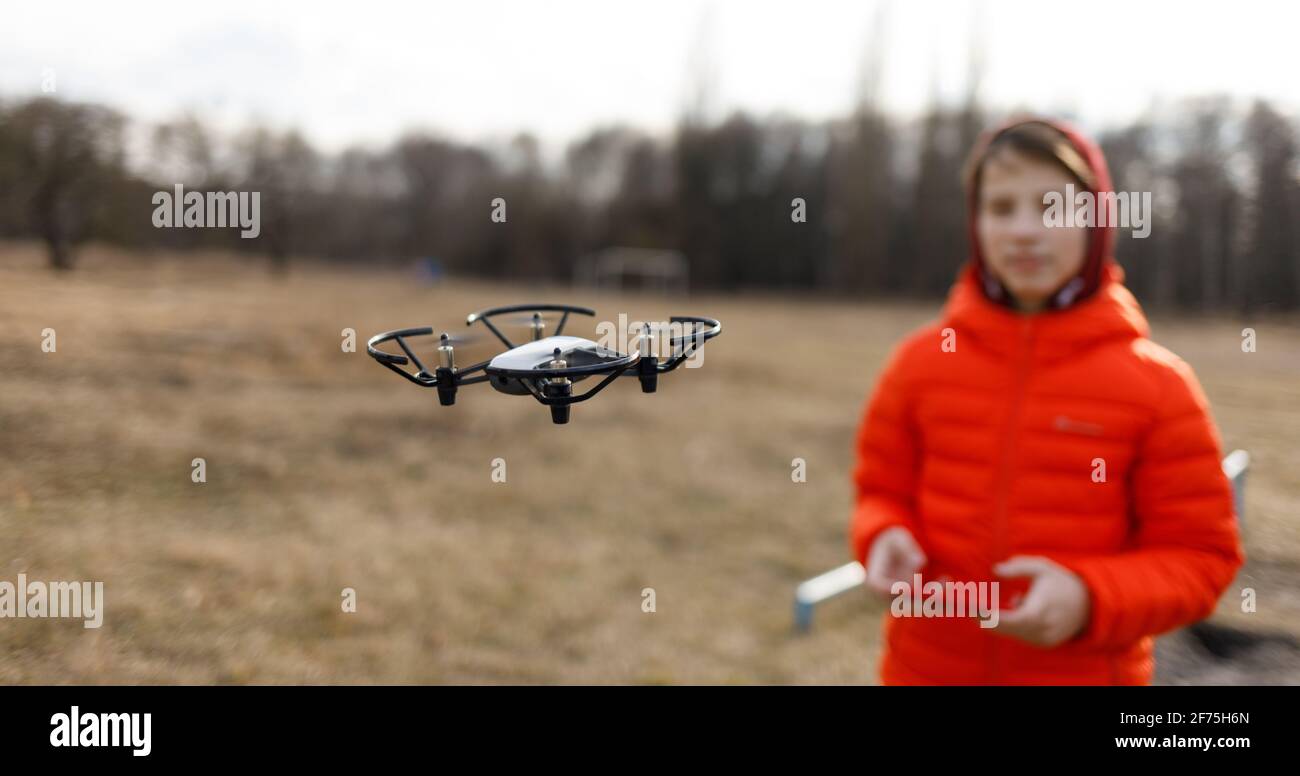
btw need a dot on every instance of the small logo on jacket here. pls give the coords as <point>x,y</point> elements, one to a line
<point>1066,423</point>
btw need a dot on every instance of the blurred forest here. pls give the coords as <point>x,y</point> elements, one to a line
<point>883,197</point>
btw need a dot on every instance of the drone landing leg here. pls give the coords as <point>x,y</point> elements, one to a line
<point>647,369</point>
<point>446,386</point>
<point>559,389</point>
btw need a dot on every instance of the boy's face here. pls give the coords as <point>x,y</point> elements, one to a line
<point>1030,258</point>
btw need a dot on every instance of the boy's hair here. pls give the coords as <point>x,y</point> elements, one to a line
<point>1036,140</point>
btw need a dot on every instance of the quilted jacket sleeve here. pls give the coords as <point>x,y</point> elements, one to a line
<point>884,477</point>
<point>1185,550</point>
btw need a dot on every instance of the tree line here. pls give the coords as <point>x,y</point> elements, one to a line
<point>878,197</point>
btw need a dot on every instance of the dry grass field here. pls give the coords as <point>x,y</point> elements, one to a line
<point>325,472</point>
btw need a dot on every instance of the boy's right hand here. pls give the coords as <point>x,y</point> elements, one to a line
<point>894,556</point>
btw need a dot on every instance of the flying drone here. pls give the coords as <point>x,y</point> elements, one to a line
<point>547,366</point>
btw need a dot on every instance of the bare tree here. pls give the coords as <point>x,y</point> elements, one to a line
<point>1273,255</point>
<point>62,159</point>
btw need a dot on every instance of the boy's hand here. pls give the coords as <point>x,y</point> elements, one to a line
<point>894,556</point>
<point>1053,611</point>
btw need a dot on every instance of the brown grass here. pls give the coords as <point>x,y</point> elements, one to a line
<point>325,471</point>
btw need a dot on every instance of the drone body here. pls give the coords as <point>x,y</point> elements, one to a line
<point>538,354</point>
<point>546,367</point>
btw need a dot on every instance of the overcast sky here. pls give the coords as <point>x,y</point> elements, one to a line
<point>365,71</point>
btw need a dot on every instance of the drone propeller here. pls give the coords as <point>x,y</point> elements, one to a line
<point>536,322</point>
<point>446,347</point>
<point>455,340</point>
<point>680,333</point>
<point>521,318</point>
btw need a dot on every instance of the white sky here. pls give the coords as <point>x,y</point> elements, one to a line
<point>364,71</point>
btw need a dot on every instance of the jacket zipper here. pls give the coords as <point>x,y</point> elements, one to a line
<point>1009,434</point>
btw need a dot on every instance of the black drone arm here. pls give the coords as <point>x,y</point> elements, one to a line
<point>689,343</point>
<point>393,361</point>
<point>444,379</point>
<point>695,339</point>
<point>565,400</point>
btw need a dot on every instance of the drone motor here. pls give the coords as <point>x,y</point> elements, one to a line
<point>558,388</point>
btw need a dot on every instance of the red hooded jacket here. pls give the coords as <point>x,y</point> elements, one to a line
<point>990,448</point>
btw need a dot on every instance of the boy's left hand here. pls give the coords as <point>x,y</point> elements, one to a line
<point>1054,610</point>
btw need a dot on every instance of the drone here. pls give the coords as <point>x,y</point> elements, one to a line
<point>546,367</point>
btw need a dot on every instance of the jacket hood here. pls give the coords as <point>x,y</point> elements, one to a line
<point>1101,239</point>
